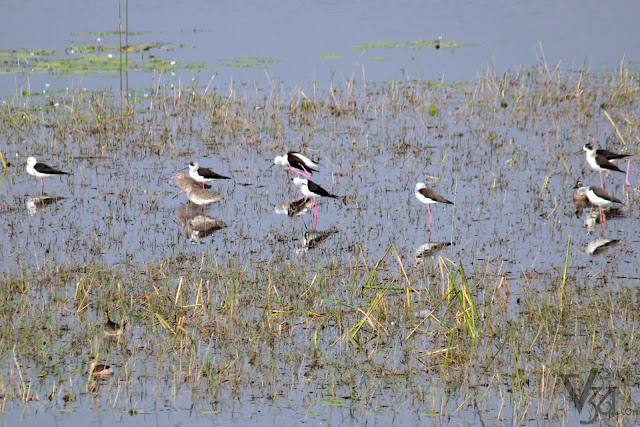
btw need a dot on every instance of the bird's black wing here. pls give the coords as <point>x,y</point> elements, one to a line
<point>315,188</point>
<point>209,174</point>
<point>42,168</point>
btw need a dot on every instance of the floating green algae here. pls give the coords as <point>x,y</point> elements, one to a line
<point>415,44</point>
<point>248,62</point>
<point>83,59</point>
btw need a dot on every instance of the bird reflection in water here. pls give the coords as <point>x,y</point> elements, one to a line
<point>593,216</point>
<point>195,224</point>
<point>202,226</point>
<point>295,208</point>
<point>598,246</point>
<point>313,238</point>
<point>430,249</point>
<point>38,202</point>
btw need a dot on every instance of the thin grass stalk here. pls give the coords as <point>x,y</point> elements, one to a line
<point>317,329</point>
<point>23,386</point>
<point>353,331</point>
<point>165,324</point>
<point>453,214</point>
<point>120,50</point>
<point>374,270</point>
<point>471,320</point>
<point>616,128</point>
<point>564,273</point>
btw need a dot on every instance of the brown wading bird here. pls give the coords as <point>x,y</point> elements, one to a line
<point>201,197</point>
<point>183,181</point>
<point>197,195</point>
<point>111,328</point>
<point>580,198</point>
<point>98,369</point>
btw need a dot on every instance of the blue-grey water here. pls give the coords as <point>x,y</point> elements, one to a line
<point>503,36</point>
<point>122,207</point>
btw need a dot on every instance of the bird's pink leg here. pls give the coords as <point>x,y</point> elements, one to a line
<point>295,198</point>
<point>314,214</point>
<point>42,188</point>
<point>627,176</point>
<point>430,217</point>
<point>602,183</point>
<point>298,173</point>
<point>306,173</point>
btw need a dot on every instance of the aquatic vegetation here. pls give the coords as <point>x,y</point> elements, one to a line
<point>488,317</point>
<point>246,62</point>
<point>329,56</point>
<point>414,44</point>
<point>89,58</point>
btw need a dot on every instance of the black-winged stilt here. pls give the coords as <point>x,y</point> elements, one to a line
<point>203,175</point>
<point>40,170</point>
<point>599,197</point>
<point>297,162</point>
<point>600,160</point>
<point>311,190</point>
<point>429,197</point>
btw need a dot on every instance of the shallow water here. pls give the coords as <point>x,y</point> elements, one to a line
<point>122,209</point>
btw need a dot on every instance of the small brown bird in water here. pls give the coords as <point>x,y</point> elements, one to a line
<point>580,198</point>
<point>98,369</point>
<point>183,181</point>
<point>112,328</point>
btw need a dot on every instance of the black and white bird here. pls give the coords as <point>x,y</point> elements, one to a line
<point>600,160</point>
<point>297,162</point>
<point>428,196</point>
<point>203,175</point>
<point>599,197</point>
<point>40,170</point>
<point>310,189</point>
